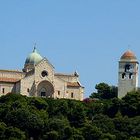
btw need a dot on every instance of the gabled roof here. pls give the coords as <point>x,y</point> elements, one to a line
<point>45,59</point>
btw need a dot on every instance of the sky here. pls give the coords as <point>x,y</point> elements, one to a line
<point>84,35</point>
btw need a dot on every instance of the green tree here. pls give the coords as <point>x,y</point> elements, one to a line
<point>25,120</point>
<point>103,122</point>
<point>104,91</point>
<point>130,105</point>
<point>13,133</point>
<point>52,135</point>
<point>134,138</point>
<point>91,132</point>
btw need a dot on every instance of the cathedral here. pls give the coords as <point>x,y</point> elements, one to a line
<point>38,78</point>
<point>127,74</point>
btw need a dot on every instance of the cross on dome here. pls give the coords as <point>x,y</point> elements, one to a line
<point>34,50</point>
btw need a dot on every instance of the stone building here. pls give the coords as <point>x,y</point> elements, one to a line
<point>128,73</point>
<point>38,78</point>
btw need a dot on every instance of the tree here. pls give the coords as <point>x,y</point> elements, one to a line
<point>104,91</point>
<point>42,118</point>
<point>130,104</point>
<point>103,122</point>
<point>25,120</point>
<point>11,133</point>
<point>52,135</point>
<point>91,132</point>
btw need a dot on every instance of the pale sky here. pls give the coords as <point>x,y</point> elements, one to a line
<point>84,35</point>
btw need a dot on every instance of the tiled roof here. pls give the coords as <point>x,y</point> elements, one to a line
<point>73,84</point>
<point>11,71</point>
<point>128,55</point>
<point>9,80</point>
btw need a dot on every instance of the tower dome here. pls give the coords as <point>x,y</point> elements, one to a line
<point>32,60</point>
<point>128,55</point>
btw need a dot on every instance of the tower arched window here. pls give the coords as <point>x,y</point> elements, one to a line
<point>127,67</point>
<point>130,76</point>
<point>123,76</point>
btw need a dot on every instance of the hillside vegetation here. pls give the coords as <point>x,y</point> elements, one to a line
<point>23,118</point>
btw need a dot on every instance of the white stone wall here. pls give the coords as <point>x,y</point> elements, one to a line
<point>27,83</point>
<point>61,85</point>
<point>76,91</point>
<point>7,87</point>
<point>60,88</point>
<point>68,78</point>
<point>43,65</point>
<point>126,84</point>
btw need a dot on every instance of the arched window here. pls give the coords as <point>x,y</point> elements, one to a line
<point>58,93</point>
<point>28,90</point>
<point>127,67</point>
<point>130,76</point>
<point>123,76</point>
<point>3,90</point>
<point>72,95</point>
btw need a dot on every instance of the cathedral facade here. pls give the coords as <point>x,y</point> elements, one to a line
<point>38,78</point>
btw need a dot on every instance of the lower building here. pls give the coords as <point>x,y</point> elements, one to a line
<point>38,78</point>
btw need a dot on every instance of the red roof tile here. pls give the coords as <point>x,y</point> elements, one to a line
<point>17,71</point>
<point>128,55</point>
<point>73,84</point>
<point>9,80</point>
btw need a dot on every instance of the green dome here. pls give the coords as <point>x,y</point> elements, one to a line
<point>33,58</point>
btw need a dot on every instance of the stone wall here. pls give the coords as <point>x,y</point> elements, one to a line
<point>7,88</point>
<point>27,85</point>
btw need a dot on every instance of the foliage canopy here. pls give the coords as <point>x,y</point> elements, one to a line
<point>24,118</point>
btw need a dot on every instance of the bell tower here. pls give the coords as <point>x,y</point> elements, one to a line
<point>128,73</point>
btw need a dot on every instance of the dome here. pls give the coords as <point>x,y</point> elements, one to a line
<point>33,58</point>
<point>129,55</point>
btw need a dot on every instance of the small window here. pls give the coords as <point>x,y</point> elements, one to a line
<point>130,76</point>
<point>28,90</point>
<point>3,90</point>
<point>72,95</point>
<point>123,76</point>
<point>58,93</point>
